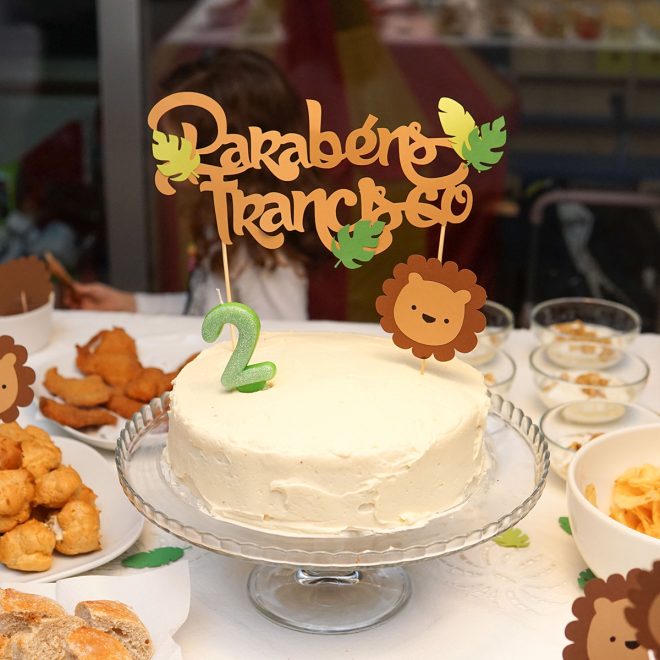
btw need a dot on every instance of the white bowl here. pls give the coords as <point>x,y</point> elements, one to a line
<point>31,329</point>
<point>608,546</point>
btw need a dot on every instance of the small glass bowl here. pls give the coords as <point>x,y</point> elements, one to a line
<point>585,319</point>
<point>621,382</point>
<point>566,436</point>
<point>498,372</point>
<point>499,323</point>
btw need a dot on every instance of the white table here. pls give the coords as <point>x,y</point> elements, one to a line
<point>486,602</point>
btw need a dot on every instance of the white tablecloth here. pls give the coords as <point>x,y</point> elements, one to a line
<point>487,602</point>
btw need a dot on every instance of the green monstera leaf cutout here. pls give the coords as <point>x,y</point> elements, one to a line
<point>153,558</point>
<point>480,150</point>
<point>357,247</point>
<point>512,538</point>
<point>178,159</point>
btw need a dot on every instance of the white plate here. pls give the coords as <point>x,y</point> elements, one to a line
<point>164,351</point>
<point>121,524</point>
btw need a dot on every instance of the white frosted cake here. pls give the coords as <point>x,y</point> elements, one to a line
<point>350,436</point>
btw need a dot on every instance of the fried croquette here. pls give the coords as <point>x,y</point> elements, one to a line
<point>28,547</point>
<point>55,488</point>
<point>79,528</point>
<point>40,454</point>
<point>16,490</point>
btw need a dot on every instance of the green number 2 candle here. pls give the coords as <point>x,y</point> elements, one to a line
<point>238,373</point>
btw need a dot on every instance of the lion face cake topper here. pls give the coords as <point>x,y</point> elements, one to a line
<point>432,308</point>
<point>617,618</point>
<point>15,379</point>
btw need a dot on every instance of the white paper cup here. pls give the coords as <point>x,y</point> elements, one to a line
<point>31,329</point>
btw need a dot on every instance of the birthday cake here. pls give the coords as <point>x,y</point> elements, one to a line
<point>348,438</point>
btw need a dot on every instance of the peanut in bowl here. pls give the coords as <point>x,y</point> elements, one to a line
<point>607,545</point>
<point>585,319</point>
<point>619,384</point>
<point>570,426</point>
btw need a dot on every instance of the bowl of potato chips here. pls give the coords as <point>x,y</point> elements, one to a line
<point>613,496</point>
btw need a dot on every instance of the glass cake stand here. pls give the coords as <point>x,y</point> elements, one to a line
<point>342,583</point>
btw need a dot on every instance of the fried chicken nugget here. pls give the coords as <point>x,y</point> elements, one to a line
<point>85,392</point>
<point>28,547</point>
<point>74,417</point>
<point>9,522</point>
<point>149,383</point>
<point>124,406</point>
<point>40,454</point>
<point>116,340</point>
<point>55,488</point>
<point>10,454</point>
<point>79,528</point>
<point>16,490</point>
<point>115,369</point>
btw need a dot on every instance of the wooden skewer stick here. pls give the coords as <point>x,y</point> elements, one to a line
<point>225,266</point>
<point>441,243</point>
<point>441,246</point>
<point>24,301</point>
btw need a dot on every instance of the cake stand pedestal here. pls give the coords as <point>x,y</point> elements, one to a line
<point>343,583</point>
<point>328,601</point>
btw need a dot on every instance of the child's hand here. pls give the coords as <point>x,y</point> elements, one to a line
<point>99,297</point>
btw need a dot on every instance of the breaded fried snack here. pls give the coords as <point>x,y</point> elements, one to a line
<point>28,547</point>
<point>75,417</point>
<point>16,490</point>
<point>84,392</point>
<point>40,454</point>
<point>10,454</point>
<point>55,488</point>
<point>79,528</point>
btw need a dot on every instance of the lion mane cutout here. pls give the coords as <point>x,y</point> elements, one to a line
<point>644,615</point>
<point>432,308</point>
<point>15,379</point>
<point>601,630</point>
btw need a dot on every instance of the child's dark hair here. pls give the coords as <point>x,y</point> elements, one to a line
<point>253,92</point>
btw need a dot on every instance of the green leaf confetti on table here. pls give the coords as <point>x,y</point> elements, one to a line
<point>565,524</point>
<point>479,150</point>
<point>359,245</point>
<point>153,558</point>
<point>584,577</point>
<point>512,538</point>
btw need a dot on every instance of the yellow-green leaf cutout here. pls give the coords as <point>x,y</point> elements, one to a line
<point>178,159</point>
<point>456,121</point>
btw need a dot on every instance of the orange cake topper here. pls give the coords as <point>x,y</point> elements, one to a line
<point>15,379</point>
<point>616,618</point>
<point>432,308</point>
<point>429,307</point>
<point>267,217</point>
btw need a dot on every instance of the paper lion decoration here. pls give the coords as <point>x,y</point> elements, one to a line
<point>617,618</point>
<point>432,308</point>
<point>15,379</point>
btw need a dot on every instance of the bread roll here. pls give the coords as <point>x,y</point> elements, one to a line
<point>119,621</point>
<point>46,641</point>
<point>91,644</point>
<point>21,612</point>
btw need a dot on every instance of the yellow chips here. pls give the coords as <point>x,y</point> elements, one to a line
<point>636,499</point>
<point>590,493</point>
